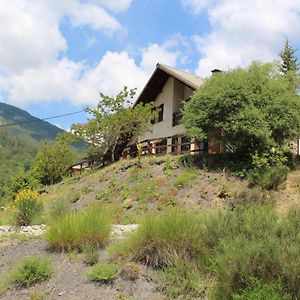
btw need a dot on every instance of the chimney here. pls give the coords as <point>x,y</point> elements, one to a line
<point>215,71</point>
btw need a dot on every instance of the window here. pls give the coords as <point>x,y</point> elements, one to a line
<point>177,116</point>
<point>160,114</point>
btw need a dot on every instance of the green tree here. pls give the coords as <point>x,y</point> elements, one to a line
<point>289,61</point>
<point>254,109</point>
<point>52,161</point>
<point>114,123</point>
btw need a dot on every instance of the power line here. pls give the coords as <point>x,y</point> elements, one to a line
<point>44,119</point>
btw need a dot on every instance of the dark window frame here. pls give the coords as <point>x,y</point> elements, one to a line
<point>159,114</point>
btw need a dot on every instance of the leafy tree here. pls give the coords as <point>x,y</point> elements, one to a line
<point>52,161</point>
<point>114,123</point>
<point>289,59</point>
<point>254,109</point>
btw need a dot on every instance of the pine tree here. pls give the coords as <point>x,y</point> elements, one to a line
<point>289,59</point>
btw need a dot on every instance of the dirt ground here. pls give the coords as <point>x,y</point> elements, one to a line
<point>69,279</point>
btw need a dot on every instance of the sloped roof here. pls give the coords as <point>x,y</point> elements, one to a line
<point>160,76</point>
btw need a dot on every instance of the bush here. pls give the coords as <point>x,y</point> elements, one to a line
<point>269,178</point>
<point>261,291</point>
<point>77,230</point>
<point>31,270</point>
<point>160,239</point>
<point>251,251</point>
<point>28,205</point>
<point>255,196</point>
<point>103,272</point>
<point>183,281</point>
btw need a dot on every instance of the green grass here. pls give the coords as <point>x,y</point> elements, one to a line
<point>103,272</point>
<point>241,250</point>
<point>161,238</point>
<point>57,209</point>
<point>31,270</point>
<point>77,230</point>
<point>7,216</point>
<point>183,279</point>
<point>185,177</point>
<point>91,255</point>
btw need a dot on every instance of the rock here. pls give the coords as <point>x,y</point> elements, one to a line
<point>119,230</point>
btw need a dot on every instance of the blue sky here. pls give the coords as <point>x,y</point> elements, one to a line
<point>57,55</point>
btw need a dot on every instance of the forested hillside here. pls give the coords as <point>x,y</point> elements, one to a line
<point>19,143</point>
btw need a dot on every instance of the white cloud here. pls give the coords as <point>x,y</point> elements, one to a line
<point>27,39</point>
<point>243,31</point>
<point>47,83</point>
<point>80,83</point>
<point>115,5</point>
<point>95,17</point>
<point>30,35</point>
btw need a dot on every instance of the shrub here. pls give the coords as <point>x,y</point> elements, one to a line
<point>79,229</point>
<point>251,251</point>
<point>160,239</point>
<point>31,270</point>
<point>269,178</point>
<point>28,205</point>
<point>182,281</point>
<point>259,290</point>
<point>103,272</point>
<point>255,196</point>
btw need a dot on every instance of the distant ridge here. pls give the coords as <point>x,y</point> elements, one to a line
<point>38,129</point>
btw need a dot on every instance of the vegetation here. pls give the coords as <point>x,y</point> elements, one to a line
<point>289,61</point>
<point>161,239</point>
<point>243,250</point>
<point>30,271</point>
<point>28,205</point>
<point>52,161</point>
<point>91,255</point>
<point>78,230</point>
<point>103,272</point>
<point>252,111</point>
<point>112,124</point>
<point>19,143</point>
<point>57,209</point>
<point>270,178</point>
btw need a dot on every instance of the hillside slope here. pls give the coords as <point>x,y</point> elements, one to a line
<point>130,190</point>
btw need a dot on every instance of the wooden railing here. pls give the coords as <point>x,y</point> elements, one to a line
<point>172,148</point>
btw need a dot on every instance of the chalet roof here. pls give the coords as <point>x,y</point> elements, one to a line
<point>160,76</point>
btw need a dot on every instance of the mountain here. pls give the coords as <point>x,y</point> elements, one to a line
<point>19,142</point>
<point>29,125</point>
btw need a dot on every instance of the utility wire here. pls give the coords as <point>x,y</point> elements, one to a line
<point>44,119</point>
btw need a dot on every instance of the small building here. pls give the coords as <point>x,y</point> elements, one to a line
<point>168,88</point>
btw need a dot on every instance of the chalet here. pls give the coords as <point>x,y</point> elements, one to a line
<point>168,88</point>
